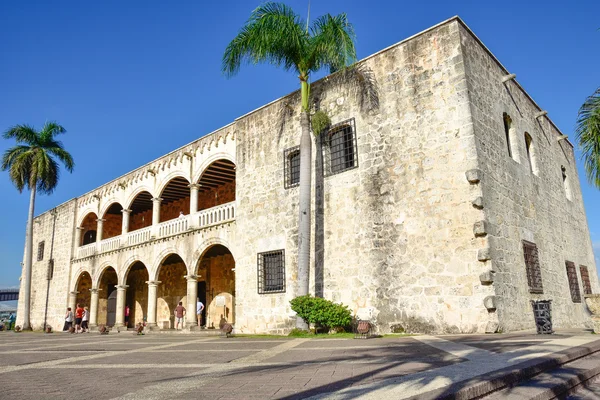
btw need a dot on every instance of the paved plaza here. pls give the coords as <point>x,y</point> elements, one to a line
<point>178,366</point>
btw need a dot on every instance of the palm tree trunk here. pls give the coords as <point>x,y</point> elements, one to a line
<point>304,212</point>
<point>28,262</point>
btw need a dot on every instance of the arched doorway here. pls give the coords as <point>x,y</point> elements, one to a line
<point>216,286</point>
<point>137,293</point>
<point>175,199</point>
<point>217,184</point>
<point>107,296</point>
<point>172,290</point>
<point>84,284</point>
<point>113,221</point>
<point>141,211</point>
<point>88,229</point>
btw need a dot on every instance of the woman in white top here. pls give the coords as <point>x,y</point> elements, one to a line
<point>85,319</point>
<point>68,320</point>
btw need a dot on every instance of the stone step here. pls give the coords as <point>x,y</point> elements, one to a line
<point>509,378</point>
<point>557,383</point>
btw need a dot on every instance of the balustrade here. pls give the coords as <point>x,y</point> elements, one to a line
<point>139,236</point>
<point>173,226</point>
<point>110,244</point>
<point>216,215</point>
<point>87,250</point>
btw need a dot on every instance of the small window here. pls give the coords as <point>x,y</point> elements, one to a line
<point>531,156</point>
<point>507,127</point>
<point>585,279</point>
<point>573,282</point>
<point>271,272</point>
<point>532,267</point>
<point>566,182</point>
<point>40,255</point>
<point>340,148</point>
<point>291,160</point>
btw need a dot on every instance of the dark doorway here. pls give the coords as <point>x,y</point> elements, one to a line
<point>111,308</point>
<point>202,297</point>
<point>89,237</point>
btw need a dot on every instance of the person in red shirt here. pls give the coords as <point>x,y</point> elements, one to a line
<point>127,311</point>
<point>78,317</point>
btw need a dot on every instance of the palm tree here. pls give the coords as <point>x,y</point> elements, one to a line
<point>31,165</point>
<point>588,135</point>
<point>276,35</point>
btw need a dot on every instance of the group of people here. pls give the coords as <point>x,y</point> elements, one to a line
<point>81,318</point>
<point>180,312</point>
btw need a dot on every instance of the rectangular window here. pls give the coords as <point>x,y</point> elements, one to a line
<point>507,127</point>
<point>573,282</point>
<point>271,272</point>
<point>340,148</point>
<point>291,165</point>
<point>40,256</point>
<point>585,279</point>
<point>532,266</point>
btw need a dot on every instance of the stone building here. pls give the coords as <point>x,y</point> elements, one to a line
<point>445,200</point>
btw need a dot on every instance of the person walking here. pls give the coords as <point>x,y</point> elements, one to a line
<point>199,308</point>
<point>85,319</point>
<point>179,314</point>
<point>68,320</point>
<point>78,318</point>
<point>127,311</point>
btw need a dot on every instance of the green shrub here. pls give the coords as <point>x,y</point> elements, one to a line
<point>319,311</point>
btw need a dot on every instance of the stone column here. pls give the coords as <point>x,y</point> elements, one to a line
<point>73,300</point>
<point>94,308</point>
<point>155,215</point>
<point>194,197</point>
<point>99,229</point>
<point>125,223</point>
<point>120,312</point>
<point>152,294</point>
<point>78,231</point>
<point>192,295</point>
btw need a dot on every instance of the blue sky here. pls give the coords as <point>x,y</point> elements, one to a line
<point>133,80</point>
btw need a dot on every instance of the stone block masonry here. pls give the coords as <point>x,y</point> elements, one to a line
<point>420,227</point>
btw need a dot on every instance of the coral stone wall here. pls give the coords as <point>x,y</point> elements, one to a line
<point>523,201</point>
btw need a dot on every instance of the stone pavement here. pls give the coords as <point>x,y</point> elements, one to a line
<point>126,366</point>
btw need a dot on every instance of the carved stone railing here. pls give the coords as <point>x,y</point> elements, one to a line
<point>87,250</point>
<point>139,236</point>
<point>173,226</point>
<point>216,215</point>
<point>110,244</point>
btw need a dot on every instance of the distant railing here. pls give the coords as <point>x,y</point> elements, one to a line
<point>216,215</point>
<point>87,250</point>
<point>173,226</point>
<point>110,244</point>
<point>139,236</point>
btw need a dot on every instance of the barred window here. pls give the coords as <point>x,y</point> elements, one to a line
<point>40,255</point>
<point>585,279</point>
<point>340,148</point>
<point>532,266</point>
<point>271,272</point>
<point>291,162</point>
<point>573,282</point>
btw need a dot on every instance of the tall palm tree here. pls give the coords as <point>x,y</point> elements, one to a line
<point>31,164</point>
<point>588,135</point>
<point>275,34</point>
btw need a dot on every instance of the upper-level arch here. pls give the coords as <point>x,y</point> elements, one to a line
<point>141,211</point>
<point>208,161</point>
<point>88,229</point>
<point>216,184</point>
<point>175,197</point>
<point>113,221</point>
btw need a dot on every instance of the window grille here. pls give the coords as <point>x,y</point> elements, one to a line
<point>271,272</point>
<point>40,255</point>
<point>291,162</point>
<point>532,266</point>
<point>340,148</point>
<point>573,282</point>
<point>585,279</point>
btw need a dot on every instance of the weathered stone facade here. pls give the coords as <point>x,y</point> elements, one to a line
<point>422,230</point>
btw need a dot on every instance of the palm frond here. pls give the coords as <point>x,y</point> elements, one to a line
<point>332,43</point>
<point>588,136</point>
<point>47,172</point>
<point>273,34</point>
<point>23,134</point>
<point>63,156</point>
<point>50,130</point>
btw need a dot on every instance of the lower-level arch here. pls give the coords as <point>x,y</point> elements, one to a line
<point>83,286</point>
<point>136,295</point>
<point>107,296</point>
<point>216,285</point>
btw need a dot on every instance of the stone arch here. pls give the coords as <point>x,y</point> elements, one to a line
<point>155,270</point>
<point>83,284</point>
<point>77,275</point>
<point>169,177</point>
<point>108,204</point>
<point>207,162</point>
<point>100,270</point>
<point>206,245</point>
<point>88,229</point>
<point>175,195</point>
<point>107,280</point>
<point>113,220</point>
<point>124,270</point>
<point>82,214</point>
<point>136,192</point>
